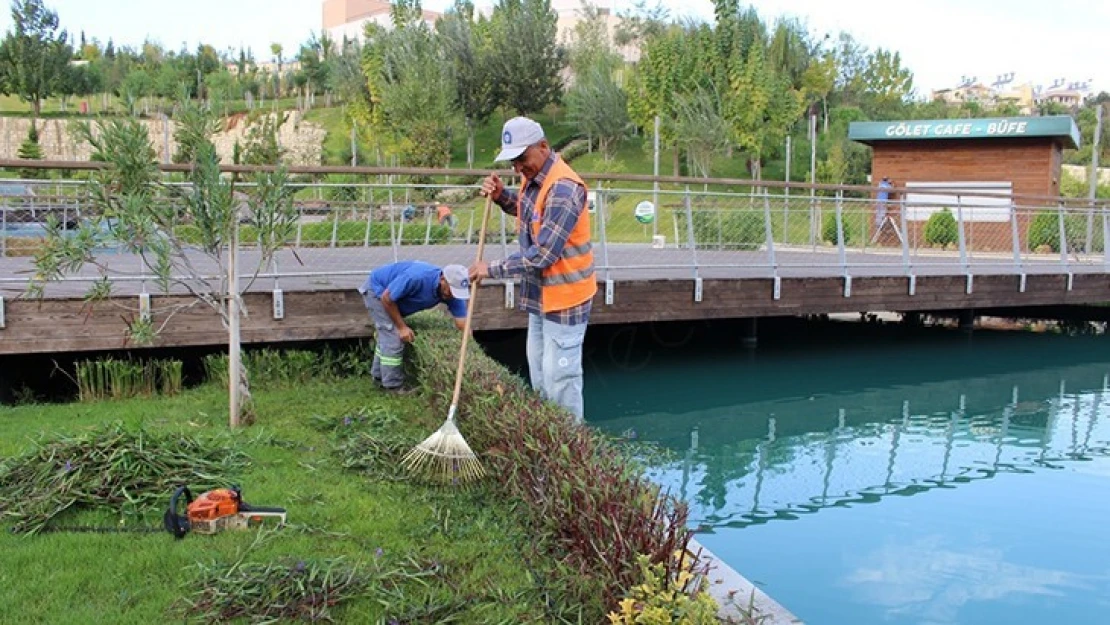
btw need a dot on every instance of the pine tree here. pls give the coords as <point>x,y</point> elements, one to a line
<point>31,150</point>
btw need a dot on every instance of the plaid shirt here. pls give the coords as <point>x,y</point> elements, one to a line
<point>565,203</point>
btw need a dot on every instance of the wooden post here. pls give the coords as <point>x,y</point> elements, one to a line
<point>233,325</point>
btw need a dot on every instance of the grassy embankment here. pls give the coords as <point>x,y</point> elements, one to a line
<point>327,445</point>
<point>445,551</point>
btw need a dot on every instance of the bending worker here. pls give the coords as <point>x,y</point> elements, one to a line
<point>555,261</point>
<point>395,291</point>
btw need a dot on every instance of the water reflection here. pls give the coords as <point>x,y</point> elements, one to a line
<point>931,580</point>
<point>931,482</point>
<point>821,452</point>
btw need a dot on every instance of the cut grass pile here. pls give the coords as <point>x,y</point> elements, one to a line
<point>111,467</point>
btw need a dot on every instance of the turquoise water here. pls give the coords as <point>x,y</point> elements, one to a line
<point>868,475</point>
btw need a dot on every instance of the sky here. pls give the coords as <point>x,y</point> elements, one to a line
<point>939,40</point>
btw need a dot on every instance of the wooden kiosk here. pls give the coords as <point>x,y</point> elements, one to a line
<point>1000,156</point>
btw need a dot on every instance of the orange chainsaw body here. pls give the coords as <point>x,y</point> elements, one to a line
<point>213,505</point>
<point>215,511</point>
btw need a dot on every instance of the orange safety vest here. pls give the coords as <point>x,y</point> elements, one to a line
<point>570,280</point>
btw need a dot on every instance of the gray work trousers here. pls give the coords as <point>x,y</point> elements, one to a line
<point>389,366</point>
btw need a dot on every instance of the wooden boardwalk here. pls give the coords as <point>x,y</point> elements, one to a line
<point>644,284</point>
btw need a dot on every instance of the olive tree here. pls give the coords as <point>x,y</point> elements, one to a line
<point>186,236</point>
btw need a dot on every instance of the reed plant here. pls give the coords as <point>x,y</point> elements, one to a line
<point>112,378</point>
<point>283,367</point>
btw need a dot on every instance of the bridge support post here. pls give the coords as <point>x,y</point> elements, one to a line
<point>751,333</point>
<point>967,320</point>
<point>911,319</point>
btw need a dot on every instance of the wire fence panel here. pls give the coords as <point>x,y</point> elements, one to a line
<point>343,230</point>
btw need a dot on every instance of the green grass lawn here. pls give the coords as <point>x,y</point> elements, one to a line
<point>465,545</point>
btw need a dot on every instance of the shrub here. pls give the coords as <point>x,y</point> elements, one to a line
<point>941,229</point>
<point>591,511</point>
<point>347,193</point>
<point>1044,232</point>
<point>718,228</point>
<point>574,149</point>
<point>32,151</point>
<point>667,596</point>
<point>828,228</point>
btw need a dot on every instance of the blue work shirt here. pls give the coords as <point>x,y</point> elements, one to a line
<point>413,285</point>
<point>884,190</point>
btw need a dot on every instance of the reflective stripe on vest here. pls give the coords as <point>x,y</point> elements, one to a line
<point>570,280</point>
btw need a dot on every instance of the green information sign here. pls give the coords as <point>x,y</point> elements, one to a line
<point>1057,126</point>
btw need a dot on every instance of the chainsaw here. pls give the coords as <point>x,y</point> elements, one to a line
<point>215,511</point>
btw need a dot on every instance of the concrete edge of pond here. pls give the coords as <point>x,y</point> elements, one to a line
<point>735,594</point>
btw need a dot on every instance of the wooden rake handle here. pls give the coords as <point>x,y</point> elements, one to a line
<point>470,305</point>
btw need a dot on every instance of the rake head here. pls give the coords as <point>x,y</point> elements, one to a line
<point>445,457</point>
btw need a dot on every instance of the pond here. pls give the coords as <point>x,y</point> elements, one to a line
<point>872,474</point>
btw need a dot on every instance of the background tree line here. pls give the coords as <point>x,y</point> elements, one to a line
<point>731,88</point>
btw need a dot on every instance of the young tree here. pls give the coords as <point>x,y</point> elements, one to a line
<point>146,218</point>
<point>33,55</point>
<point>702,129</point>
<point>599,107</point>
<point>671,64</point>
<point>411,91</point>
<point>591,48</point>
<point>888,84</point>
<point>641,23</point>
<point>31,150</point>
<point>277,50</point>
<point>818,81</point>
<point>529,60</point>
<point>467,47</point>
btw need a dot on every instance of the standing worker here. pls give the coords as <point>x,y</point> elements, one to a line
<point>555,261</point>
<point>395,291</point>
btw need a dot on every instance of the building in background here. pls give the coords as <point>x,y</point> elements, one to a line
<point>1025,96</point>
<point>347,19</point>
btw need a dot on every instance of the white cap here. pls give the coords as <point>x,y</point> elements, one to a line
<point>458,278</point>
<point>516,135</point>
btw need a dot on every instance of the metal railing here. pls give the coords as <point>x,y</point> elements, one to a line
<point>697,230</point>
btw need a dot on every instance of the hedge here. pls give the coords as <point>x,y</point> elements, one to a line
<point>589,507</point>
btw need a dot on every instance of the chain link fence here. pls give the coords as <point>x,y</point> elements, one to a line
<point>640,230</point>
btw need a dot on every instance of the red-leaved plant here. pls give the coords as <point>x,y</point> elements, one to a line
<point>592,511</point>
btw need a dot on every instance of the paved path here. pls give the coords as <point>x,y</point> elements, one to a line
<point>315,269</point>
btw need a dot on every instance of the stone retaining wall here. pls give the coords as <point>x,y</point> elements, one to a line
<point>302,140</point>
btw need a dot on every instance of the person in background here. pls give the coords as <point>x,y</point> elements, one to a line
<point>445,216</point>
<point>395,291</point>
<point>555,261</point>
<point>883,196</point>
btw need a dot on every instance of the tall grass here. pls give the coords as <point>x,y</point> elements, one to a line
<point>111,378</point>
<point>276,367</point>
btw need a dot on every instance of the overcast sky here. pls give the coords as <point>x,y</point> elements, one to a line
<point>940,40</point>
